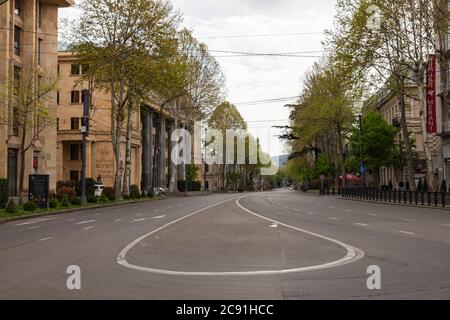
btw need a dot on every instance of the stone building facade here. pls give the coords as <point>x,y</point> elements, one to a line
<point>28,41</point>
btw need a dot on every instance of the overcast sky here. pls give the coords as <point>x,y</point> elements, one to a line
<point>259,78</point>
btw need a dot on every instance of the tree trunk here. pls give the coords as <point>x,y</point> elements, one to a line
<point>426,142</point>
<point>22,166</point>
<point>405,134</point>
<point>173,187</point>
<point>127,172</point>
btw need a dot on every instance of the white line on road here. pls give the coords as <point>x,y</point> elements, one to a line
<point>353,253</point>
<point>117,220</point>
<point>311,213</point>
<point>98,214</point>
<point>407,232</point>
<point>373,215</point>
<point>362,224</point>
<point>138,220</point>
<point>445,225</point>
<point>139,215</point>
<point>88,228</point>
<point>297,210</point>
<point>334,219</point>
<point>35,227</point>
<point>25,223</point>
<point>86,222</point>
<point>159,217</point>
<point>274,225</point>
<point>330,207</point>
<point>409,220</point>
<point>45,239</point>
<point>348,210</point>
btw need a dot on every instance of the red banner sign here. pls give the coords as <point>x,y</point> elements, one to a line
<point>430,94</point>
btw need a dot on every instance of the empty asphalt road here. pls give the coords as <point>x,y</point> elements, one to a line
<point>273,245</point>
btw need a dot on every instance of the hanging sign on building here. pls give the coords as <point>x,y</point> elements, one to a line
<point>430,94</point>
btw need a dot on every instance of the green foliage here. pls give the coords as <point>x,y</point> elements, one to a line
<point>150,194</point>
<point>65,201</point>
<point>110,193</point>
<point>134,192</point>
<point>89,186</point>
<point>191,172</point>
<point>126,197</point>
<point>103,198</point>
<point>30,206</point>
<point>91,199</point>
<point>11,206</point>
<point>4,192</point>
<point>53,204</point>
<point>75,201</point>
<point>377,142</point>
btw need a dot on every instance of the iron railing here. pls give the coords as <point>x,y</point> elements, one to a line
<point>431,199</point>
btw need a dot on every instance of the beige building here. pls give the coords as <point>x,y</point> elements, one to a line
<point>149,149</point>
<point>28,41</point>
<point>387,104</point>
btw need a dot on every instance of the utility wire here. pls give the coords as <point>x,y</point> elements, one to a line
<point>263,35</point>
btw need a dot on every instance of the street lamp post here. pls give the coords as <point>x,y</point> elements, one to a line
<point>85,131</point>
<point>362,168</point>
<point>204,173</point>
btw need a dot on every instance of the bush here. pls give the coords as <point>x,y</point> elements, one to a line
<point>4,192</point>
<point>241,189</point>
<point>68,183</point>
<point>150,194</point>
<point>143,195</point>
<point>103,198</point>
<point>126,197</point>
<point>109,192</point>
<point>65,201</point>
<point>91,199</point>
<point>66,191</point>
<point>89,187</point>
<point>30,206</point>
<point>134,192</point>
<point>53,204</point>
<point>75,201</point>
<point>11,206</point>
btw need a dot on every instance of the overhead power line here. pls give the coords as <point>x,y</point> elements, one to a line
<point>298,54</point>
<point>263,35</point>
<point>266,101</point>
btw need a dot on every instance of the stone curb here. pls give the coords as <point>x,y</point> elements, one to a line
<point>397,204</point>
<point>65,211</point>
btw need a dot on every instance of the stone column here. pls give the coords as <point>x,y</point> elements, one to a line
<point>147,150</point>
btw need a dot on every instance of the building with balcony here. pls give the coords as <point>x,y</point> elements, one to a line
<point>28,42</point>
<point>386,102</point>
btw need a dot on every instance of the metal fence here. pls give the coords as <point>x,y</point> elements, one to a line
<point>431,199</point>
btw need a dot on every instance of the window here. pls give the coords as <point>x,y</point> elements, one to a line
<point>15,122</point>
<point>74,152</point>
<point>18,7</point>
<point>39,49</point>
<point>74,123</point>
<point>84,68</point>
<point>57,123</point>
<point>74,176</point>
<point>75,97</point>
<point>57,97</point>
<point>17,32</point>
<point>75,69</point>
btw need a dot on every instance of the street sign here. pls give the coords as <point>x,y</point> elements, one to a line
<point>39,189</point>
<point>322,177</point>
<point>362,169</point>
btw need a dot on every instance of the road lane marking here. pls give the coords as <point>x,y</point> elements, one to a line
<point>98,214</point>
<point>45,239</point>
<point>297,210</point>
<point>311,213</point>
<point>362,224</point>
<point>373,215</point>
<point>407,232</point>
<point>117,220</point>
<point>334,219</point>
<point>88,228</point>
<point>445,225</point>
<point>330,207</point>
<point>139,215</point>
<point>25,223</point>
<point>286,207</point>
<point>348,210</point>
<point>353,253</point>
<point>274,225</point>
<point>159,217</point>
<point>35,227</point>
<point>86,222</point>
<point>409,220</point>
<point>138,220</point>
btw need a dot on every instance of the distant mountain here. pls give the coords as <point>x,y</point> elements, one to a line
<point>280,160</point>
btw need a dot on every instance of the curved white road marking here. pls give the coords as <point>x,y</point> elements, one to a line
<point>353,253</point>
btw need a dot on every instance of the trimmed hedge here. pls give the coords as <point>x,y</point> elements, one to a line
<point>4,192</point>
<point>11,206</point>
<point>30,206</point>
